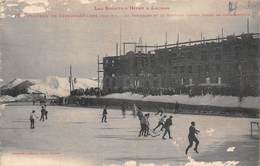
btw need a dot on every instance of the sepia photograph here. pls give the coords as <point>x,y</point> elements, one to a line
<point>129,82</point>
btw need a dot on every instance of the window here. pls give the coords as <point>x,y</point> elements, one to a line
<point>206,68</point>
<point>155,83</point>
<point>218,68</point>
<point>182,69</point>
<point>208,80</point>
<point>136,83</point>
<point>175,69</point>
<point>182,81</point>
<point>190,69</point>
<point>128,82</point>
<point>189,55</point>
<point>219,80</point>
<point>199,68</point>
<point>190,81</point>
<point>113,83</point>
<point>204,57</point>
<point>107,82</point>
<point>147,84</point>
<point>217,56</point>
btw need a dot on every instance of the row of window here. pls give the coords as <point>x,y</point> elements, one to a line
<point>198,68</point>
<point>155,83</point>
<point>189,69</point>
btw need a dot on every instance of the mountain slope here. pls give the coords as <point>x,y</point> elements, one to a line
<point>52,85</point>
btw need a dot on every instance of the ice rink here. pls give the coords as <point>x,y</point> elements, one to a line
<point>75,136</point>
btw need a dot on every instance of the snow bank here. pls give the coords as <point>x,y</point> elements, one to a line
<point>6,98</point>
<point>126,95</point>
<point>192,162</point>
<point>221,101</point>
<point>41,159</point>
<point>231,149</point>
<point>24,97</point>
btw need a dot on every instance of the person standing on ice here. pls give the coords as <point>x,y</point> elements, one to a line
<point>104,115</point>
<point>46,112</point>
<point>147,124</point>
<point>32,118</point>
<point>160,123</point>
<point>177,106</point>
<point>166,126</point>
<point>123,111</point>
<point>143,126</point>
<point>134,110</point>
<point>192,137</point>
<point>139,114</point>
<point>42,113</point>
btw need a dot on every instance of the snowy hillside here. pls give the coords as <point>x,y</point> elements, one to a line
<point>16,82</point>
<point>59,86</point>
<point>52,85</point>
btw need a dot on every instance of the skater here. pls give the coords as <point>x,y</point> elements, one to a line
<point>166,126</point>
<point>42,113</point>
<point>143,126</point>
<point>134,110</point>
<point>146,124</point>
<point>160,123</point>
<point>139,113</point>
<point>192,137</point>
<point>32,118</point>
<point>159,111</point>
<point>46,114</point>
<point>104,115</point>
<point>177,106</point>
<point>123,111</point>
<point>142,121</point>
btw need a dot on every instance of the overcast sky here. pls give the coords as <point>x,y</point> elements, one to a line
<point>34,47</point>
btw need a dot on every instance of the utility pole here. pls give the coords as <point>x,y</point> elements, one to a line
<point>120,38</point>
<point>247,25</point>
<point>201,36</point>
<point>71,80</point>
<point>166,39</point>
<point>99,70</point>
<point>178,38</point>
<point>116,49</point>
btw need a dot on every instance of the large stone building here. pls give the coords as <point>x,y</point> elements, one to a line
<point>226,65</point>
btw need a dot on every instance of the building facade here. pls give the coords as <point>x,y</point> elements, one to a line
<point>227,65</point>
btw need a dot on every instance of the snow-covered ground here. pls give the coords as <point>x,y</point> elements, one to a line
<point>75,137</point>
<point>221,101</point>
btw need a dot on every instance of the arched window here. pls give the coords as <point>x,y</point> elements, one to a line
<point>208,80</point>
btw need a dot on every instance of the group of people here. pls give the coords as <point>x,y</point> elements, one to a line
<point>163,124</point>
<point>33,116</point>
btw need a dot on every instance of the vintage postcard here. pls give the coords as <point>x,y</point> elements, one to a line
<point>129,82</point>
